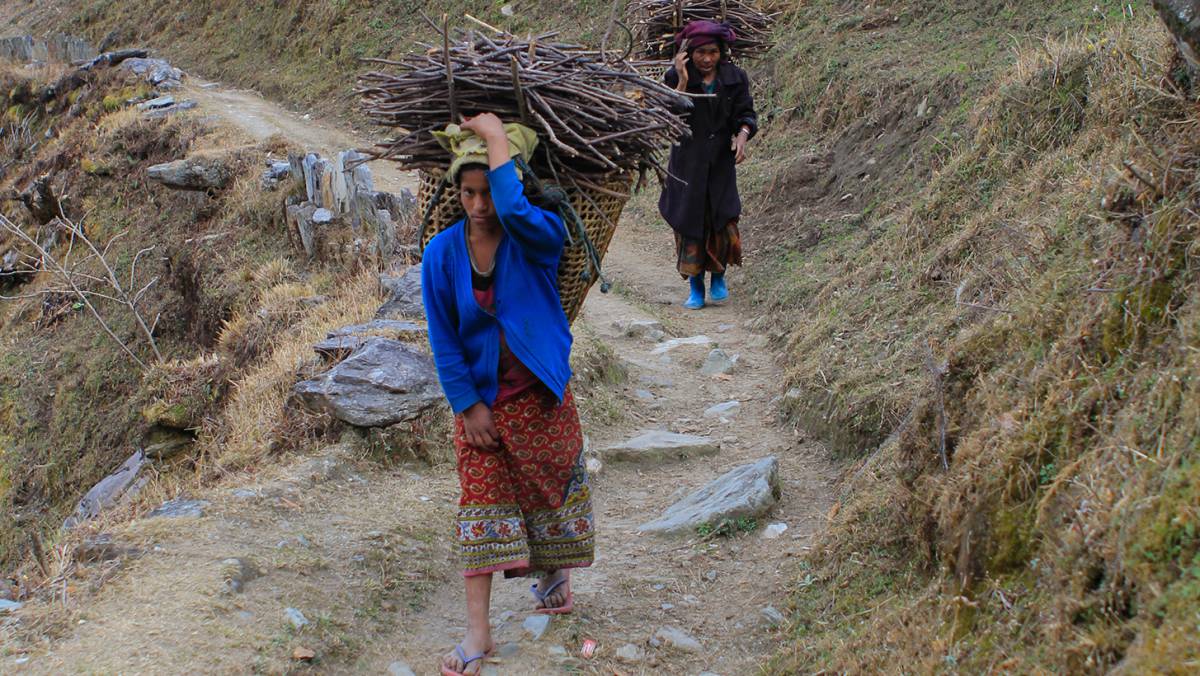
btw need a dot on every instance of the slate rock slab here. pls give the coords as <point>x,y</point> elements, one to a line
<point>193,173</point>
<point>678,639</point>
<point>718,363</point>
<point>658,446</point>
<point>351,338</point>
<point>404,294</point>
<point>536,625</point>
<point>724,410</point>
<point>179,509</point>
<point>110,490</point>
<point>384,382</point>
<point>638,328</point>
<point>155,71</point>
<point>676,343</point>
<point>746,491</point>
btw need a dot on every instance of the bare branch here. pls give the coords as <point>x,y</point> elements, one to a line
<point>51,263</point>
<point>133,267</point>
<point>101,257</point>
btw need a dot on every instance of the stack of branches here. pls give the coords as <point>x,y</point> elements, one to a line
<point>595,113</point>
<point>657,21</point>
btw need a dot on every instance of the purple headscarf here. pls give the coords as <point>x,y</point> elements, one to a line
<point>699,33</point>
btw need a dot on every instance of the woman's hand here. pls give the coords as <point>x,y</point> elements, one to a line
<point>739,145</point>
<point>486,125</point>
<point>681,62</point>
<point>479,428</point>
<point>489,128</point>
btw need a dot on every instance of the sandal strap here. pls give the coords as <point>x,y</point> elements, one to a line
<point>543,595</point>
<point>458,650</point>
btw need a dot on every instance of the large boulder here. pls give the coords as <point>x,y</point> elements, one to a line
<point>193,173</point>
<point>404,294</point>
<point>746,491</point>
<point>381,384</point>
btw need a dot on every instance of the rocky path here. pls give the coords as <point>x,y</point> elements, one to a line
<point>335,553</point>
<point>647,592</point>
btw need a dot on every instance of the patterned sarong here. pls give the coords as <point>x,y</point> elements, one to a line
<point>526,507</point>
<point>720,248</point>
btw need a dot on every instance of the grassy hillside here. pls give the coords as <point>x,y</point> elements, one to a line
<point>1003,245</point>
<point>225,299</point>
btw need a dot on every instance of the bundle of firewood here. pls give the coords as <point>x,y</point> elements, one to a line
<point>594,112</point>
<point>657,21</point>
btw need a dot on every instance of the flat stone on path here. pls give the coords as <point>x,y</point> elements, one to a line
<point>296,618</point>
<point>773,616</point>
<point>723,410</point>
<point>381,384</point>
<point>674,343</point>
<point>678,639</point>
<point>399,668</point>
<point>746,491</point>
<point>718,363</point>
<point>630,653</point>
<point>536,625</point>
<point>638,328</point>
<point>658,445</point>
<point>179,509</point>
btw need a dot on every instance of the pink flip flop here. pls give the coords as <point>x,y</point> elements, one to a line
<point>564,609</point>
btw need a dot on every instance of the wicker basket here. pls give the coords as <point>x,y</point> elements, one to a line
<point>654,70</point>
<point>599,210</point>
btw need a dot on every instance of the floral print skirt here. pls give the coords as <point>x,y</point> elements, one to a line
<point>526,507</point>
<point>720,248</point>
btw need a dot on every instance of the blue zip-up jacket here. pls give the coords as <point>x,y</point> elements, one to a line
<point>466,338</point>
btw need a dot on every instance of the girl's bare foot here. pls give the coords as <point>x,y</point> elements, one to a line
<point>554,586</point>
<point>456,661</point>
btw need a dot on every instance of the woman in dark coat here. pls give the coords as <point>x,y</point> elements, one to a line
<point>700,197</point>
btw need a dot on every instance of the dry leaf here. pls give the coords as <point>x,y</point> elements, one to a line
<point>303,655</point>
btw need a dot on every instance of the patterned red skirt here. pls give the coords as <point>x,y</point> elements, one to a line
<point>526,507</point>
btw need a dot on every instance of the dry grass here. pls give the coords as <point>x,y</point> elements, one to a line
<point>1062,538</point>
<point>258,419</point>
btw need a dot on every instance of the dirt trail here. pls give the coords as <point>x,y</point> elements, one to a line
<point>716,590</point>
<point>361,551</point>
<point>259,118</point>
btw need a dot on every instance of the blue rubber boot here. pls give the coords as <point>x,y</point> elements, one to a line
<point>696,300</point>
<point>717,291</point>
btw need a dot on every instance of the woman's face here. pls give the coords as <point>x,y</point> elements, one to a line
<point>706,58</point>
<point>477,196</point>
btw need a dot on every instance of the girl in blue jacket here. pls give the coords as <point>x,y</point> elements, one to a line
<point>502,345</point>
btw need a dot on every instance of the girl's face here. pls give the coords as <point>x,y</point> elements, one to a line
<point>706,58</point>
<point>477,196</point>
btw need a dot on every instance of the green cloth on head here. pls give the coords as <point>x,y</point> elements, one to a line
<point>466,147</point>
